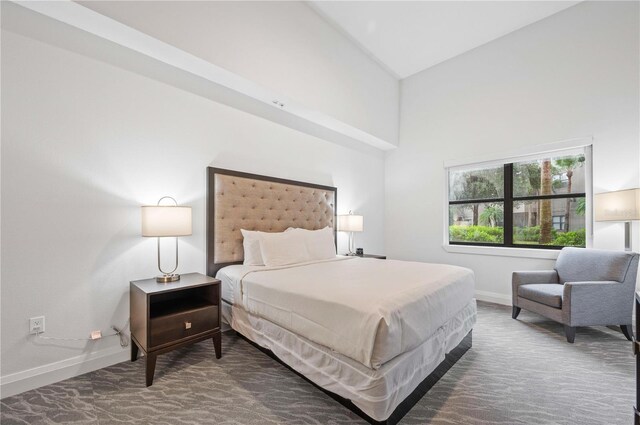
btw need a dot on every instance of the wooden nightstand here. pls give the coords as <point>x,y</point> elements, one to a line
<point>379,257</point>
<point>166,316</point>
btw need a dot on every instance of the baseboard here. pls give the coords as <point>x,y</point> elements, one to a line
<point>493,297</point>
<point>30,379</point>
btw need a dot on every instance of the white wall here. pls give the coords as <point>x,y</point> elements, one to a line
<point>571,75</point>
<point>84,144</point>
<point>284,46</point>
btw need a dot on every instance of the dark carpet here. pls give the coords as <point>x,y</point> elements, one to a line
<point>517,372</point>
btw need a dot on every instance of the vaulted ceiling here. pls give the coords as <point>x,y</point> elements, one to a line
<point>409,36</point>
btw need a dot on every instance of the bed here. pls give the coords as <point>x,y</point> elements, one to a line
<point>374,334</point>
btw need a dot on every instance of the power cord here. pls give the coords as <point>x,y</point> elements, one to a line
<point>119,332</point>
<point>124,338</point>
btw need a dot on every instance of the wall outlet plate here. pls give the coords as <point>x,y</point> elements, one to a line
<point>36,325</point>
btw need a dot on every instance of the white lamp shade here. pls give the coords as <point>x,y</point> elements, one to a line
<point>160,221</point>
<point>350,223</point>
<point>623,205</point>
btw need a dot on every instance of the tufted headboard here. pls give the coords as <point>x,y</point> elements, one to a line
<point>237,200</point>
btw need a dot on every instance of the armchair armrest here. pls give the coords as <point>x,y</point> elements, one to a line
<point>596,303</point>
<point>537,276</point>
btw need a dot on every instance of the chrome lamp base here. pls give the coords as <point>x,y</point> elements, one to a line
<point>166,278</point>
<point>351,253</point>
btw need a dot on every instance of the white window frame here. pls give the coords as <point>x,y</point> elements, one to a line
<point>579,145</point>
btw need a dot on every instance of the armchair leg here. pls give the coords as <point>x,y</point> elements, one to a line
<point>515,311</point>
<point>570,332</point>
<point>627,330</point>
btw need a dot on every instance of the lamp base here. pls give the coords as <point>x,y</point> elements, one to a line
<point>166,278</point>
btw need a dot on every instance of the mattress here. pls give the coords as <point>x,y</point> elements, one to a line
<point>366,309</point>
<point>377,392</point>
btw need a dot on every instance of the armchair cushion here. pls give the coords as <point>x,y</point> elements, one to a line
<point>544,293</point>
<point>524,278</point>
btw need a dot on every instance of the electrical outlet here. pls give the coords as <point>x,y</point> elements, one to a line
<point>36,325</point>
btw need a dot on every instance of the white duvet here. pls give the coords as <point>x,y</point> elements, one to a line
<point>367,309</point>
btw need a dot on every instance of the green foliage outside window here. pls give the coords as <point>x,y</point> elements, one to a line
<point>492,215</point>
<point>540,190</point>
<point>523,235</point>
<point>476,234</point>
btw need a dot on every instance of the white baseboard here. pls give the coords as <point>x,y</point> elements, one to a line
<point>494,297</point>
<point>30,379</point>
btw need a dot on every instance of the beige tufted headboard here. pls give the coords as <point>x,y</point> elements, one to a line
<point>237,200</point>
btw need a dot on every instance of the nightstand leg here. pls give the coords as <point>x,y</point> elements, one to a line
<point>217,344</point>
<point>151,368</point>
<point>134,351</point>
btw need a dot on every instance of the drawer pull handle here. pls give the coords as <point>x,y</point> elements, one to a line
<point>187,325</point>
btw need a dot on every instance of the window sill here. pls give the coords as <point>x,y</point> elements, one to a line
<point>547,254</point>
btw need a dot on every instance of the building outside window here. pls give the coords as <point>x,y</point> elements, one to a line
<point>539,202</point>
<point>558,222</point>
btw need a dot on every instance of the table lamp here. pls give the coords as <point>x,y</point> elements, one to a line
<point>350,223</point>
<point>162,221</point>
<point>621,205</point>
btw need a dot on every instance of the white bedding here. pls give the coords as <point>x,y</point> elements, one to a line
<point>367,309</point>
<point>377,392</point>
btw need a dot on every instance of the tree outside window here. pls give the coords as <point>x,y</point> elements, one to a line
<point>545,198</point>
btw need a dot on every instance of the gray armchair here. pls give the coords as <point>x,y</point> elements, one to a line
<point>589,287</point>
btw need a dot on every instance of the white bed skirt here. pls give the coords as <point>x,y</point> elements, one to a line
<point>376,392</point>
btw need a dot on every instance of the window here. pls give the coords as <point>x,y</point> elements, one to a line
<point>558,222</point>
<point>534,203</point>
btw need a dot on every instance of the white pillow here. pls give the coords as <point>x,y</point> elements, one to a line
<point>320,243</point>
<point>281,249</point>
<point>251,245</point>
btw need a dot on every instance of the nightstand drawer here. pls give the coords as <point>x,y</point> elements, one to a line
<point>174,327</point>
